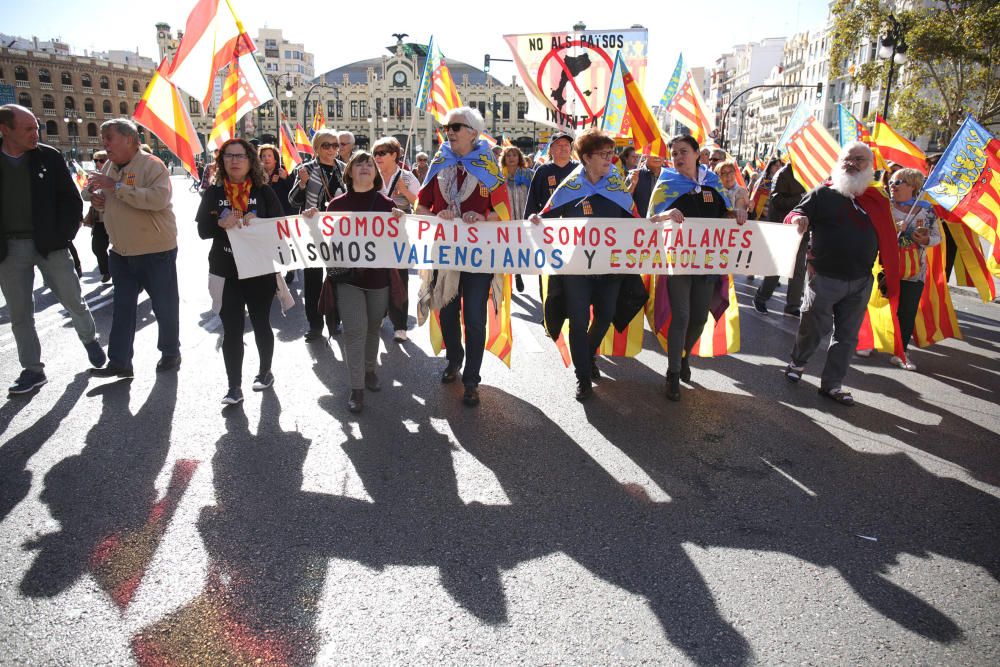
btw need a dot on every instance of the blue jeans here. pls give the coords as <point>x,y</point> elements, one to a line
<point>585,335</point>
<point>473,292</point>
<point>155,272</point>
<point>17,277</point>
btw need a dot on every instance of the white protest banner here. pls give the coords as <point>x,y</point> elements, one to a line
<point>571,246</point>
<point>566,75</point>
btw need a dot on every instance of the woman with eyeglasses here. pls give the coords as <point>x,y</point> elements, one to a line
<point>317,182</point>
<point>918,230</point>
<point>363,299</point>
<point>421,167</point>
<point>240,194</point>
<point>458,187</point>
<point>593,190</point>
<point>687,190</point>
<point>402,187</point>
<point>737,195</point>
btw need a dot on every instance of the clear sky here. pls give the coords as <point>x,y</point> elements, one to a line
<point>343,32</point>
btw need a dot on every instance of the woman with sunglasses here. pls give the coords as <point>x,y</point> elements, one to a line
<point>593,190</point>
<point>458,187</point>
<point>363,299</point>
<point>402,187</point>
<point>685,190</point>
<point>240,194</point>
<point>317,183</point>
<point>918,230</point>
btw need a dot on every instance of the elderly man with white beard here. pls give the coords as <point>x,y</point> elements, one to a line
<point>848,221</point>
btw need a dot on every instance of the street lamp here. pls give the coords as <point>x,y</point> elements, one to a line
<point>893,50</point>
<point>305,106</point>
<point>73,121</point>
<point>275,80</point>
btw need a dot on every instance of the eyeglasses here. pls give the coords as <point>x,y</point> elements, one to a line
<point>235,157</point>
<point>456,127</point>
<point>715,159</point>
<point>897,183</point>
<point>327,145</point>
<point>99,161</point>
<point>380,153</point>
<point>604,155</point>
<point>421,159</point>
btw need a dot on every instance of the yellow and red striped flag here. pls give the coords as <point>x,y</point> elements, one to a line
<point>162,112</point>
<point>243,90</point>
<point>813,152</point>
<point>437,93</point>
<point>319,121</point>
<point>302,143</point>
<point>893,147</point>
<point>721,334</point>
<point>971,267</point>
<point>936,318</point>
<point>688,108</point>
<point>289,156</point>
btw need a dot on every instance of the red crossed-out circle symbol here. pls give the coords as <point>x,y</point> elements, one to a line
<point>555,60</point>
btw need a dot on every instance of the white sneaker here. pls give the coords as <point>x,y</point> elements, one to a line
<point>864,353</point>
<point>905,365</point>
<point>400,336</point>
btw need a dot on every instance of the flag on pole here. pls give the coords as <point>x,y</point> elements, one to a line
<point>319,123</point>
<point>673,84</point>
<point>935,319</point>
<point>302,143</point>
<point>852,129</point>
<point>243,91</point>
<point>626,112</point>
<point>213,37</point>
<point>795,121</point>
<point>971,266</point>
<point>895,148</point>
<point>813,152</point>
<point>437,93</point>
<point>965,183</point>
<point>162,112</point>
<point>688,108</point>
<point>289,156</point>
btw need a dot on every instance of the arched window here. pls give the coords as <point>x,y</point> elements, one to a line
<point>88,105</point>
<point>67,79</point>
<point>106,106</point>
<point>135,86</point>
<point>121,85</point>
<point>44,76</point>
<point>86,81</point>
<point>24,99</point>
<point>91,129</point>
<point>48,102</point>
<point>21,73</point>
<point>123,108</point>
<point>105,83</point>
<point>52,128</point>
<point>69,102</point>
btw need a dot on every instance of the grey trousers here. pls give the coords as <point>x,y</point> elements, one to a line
<point>690,296</point>
<point>17,275</point>
<point>831,304</point>
<point>361,311</point>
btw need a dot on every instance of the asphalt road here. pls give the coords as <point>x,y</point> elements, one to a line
<point>754,522</point>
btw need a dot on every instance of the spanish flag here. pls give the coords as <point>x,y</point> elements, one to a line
<point>302,143</point>
<point>163,113</point>
<point>721,334</point>
<point>893,147</point>
<point>289,156</point>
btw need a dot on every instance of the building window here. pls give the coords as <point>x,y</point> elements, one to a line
<point>392,107</point>
<point>291,107</point>
<point>52,128</point>
<point>363,106</point>
<point>67,79</point>
<point>105,83</point>
<point>522,110</point>
<point>121,85</point>
<point>135,86</point>
<point>288,54</point>
<point>88,105</point>
<point>409,107</point>
<point>69,103</point>
<point>106,106</point>
<point>44,76</point>
<point>123,108</point>
<point>506,111</point>
<point>354,109</point>
<point>482,108</point>
<point>48,102</point>
<point>86,81</point>
<point>91,129</point>
<point>24,99</point>
<point>194,107</point>
<point>331,109</point>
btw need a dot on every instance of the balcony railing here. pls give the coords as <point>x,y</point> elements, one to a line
<point>45,86</point>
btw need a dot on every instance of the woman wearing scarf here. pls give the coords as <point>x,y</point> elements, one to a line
<point>458,186</point>
<point>686,190</point>
<point>239,194</point>
<point>736,194</point>
<point>518,177</point>
<point>593,190</point>
<point>918,230</point>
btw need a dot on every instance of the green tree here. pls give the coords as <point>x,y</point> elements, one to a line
<point>953,59</point>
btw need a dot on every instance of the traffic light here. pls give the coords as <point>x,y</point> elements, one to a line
<point>819,90</point>
<point>486,63</point>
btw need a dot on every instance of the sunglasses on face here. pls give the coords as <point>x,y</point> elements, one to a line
<point>327,146</point>
<point>381,153</point>
<point>896,183</point>
<point>456,127</point>
<point>99,161</point>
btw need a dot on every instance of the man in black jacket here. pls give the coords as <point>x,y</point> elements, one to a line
<point>786,194</point>
<point>40,213</point>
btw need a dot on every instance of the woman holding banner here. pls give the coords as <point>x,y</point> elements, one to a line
<point>363,297</point>
<point>239,194</point>
<point>458,187</point>
<point>688,190</point>
<point>593,190</point>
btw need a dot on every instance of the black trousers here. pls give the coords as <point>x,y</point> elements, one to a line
<point>584,293</point>
<point>313,285</point>
<point>398,316</point>
<point>239,297</point>
<point>910,292</point>
<point>99,243</point>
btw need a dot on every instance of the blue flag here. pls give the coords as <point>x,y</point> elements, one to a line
<point>576,186</point>
<point>672,185</point>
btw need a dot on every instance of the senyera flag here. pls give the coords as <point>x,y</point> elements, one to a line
<point>965,183</point>
<point>688,108</point>
<point>243,91</point>
<point>163,113</point>
<point>813,152</point>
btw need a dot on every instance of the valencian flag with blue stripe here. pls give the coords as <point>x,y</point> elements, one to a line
<point>965,183</point>
<point>479,162</point>
<point>852,129</point>
<point>721,334</point>
<point>673,84</point>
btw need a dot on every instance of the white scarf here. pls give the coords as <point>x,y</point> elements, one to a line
<point>448,182</point>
